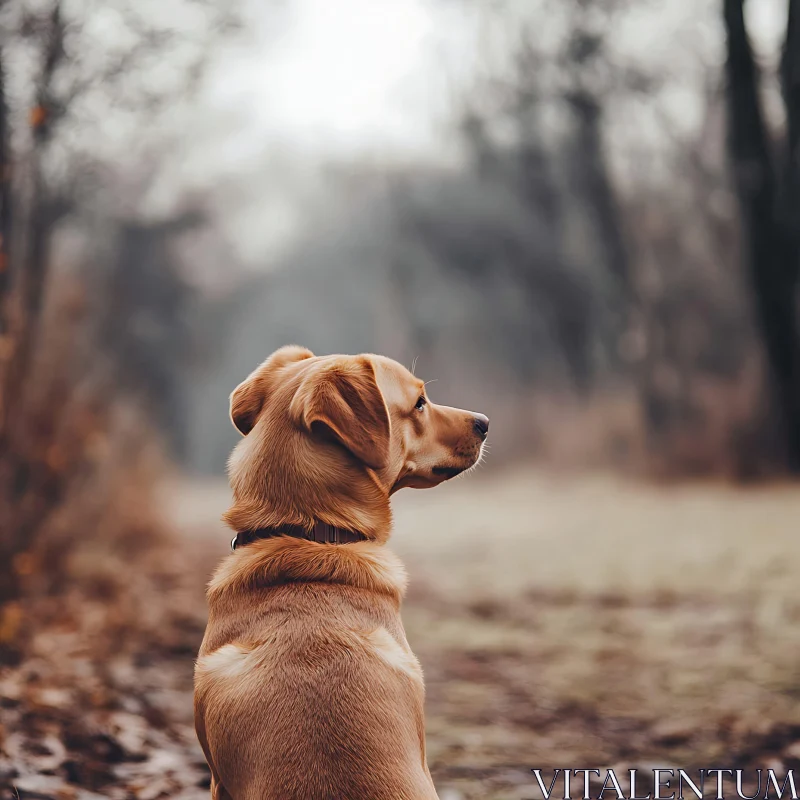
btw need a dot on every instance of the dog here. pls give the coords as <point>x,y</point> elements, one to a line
<point>305,686</point>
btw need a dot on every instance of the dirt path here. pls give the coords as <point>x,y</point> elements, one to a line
<point>560,622</point>
<point>596,621</point>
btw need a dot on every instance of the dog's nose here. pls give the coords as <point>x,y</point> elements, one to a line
<point>481,425</point>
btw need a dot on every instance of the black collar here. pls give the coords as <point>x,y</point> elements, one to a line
<point>321,532</point>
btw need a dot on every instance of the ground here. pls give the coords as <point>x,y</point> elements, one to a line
<point>561,621</point>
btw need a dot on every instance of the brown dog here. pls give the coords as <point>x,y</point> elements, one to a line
<point>305,686</point>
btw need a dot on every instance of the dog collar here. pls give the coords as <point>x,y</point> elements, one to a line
<point>322,532</point>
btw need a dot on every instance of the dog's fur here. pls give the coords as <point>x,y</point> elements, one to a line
<point>305,686</point>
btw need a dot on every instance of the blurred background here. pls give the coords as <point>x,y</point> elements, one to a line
<point>581,217</point>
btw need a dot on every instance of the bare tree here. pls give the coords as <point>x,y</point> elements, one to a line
<point>768,189</point>
<point>46,426</point>
<point>22,298</point>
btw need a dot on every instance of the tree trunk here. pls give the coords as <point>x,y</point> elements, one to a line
<point>599,188</point>
<point>5,211</point>
<point>790,83</point>
<point>771,243</point>
<point>22,470</point>
<point>41,212</point>
<point>5,235</point>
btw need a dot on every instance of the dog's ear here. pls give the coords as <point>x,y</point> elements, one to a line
<point>345,398</point>
<point>248,398</point>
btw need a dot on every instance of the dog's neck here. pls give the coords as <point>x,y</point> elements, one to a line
<point>270,489</point>
<point>279,561</point>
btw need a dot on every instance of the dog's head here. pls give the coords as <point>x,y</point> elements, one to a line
<point>365,413</point>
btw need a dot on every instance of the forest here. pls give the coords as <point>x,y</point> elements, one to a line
<point>600,248</point>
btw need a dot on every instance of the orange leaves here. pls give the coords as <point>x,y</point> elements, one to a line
<point>6,347</point>
<point>10,620</point>
<point>25,564</point>
<point>37,117</point>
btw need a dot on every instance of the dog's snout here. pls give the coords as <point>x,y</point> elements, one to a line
<point>481,425</point>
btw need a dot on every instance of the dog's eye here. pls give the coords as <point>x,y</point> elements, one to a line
<point>421,403</point>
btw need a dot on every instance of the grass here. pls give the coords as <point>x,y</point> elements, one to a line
<point>597,622</point>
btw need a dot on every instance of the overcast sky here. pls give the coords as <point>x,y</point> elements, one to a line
<point>348,75</point>
<point>379,80</point>
<point>353,74</point>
